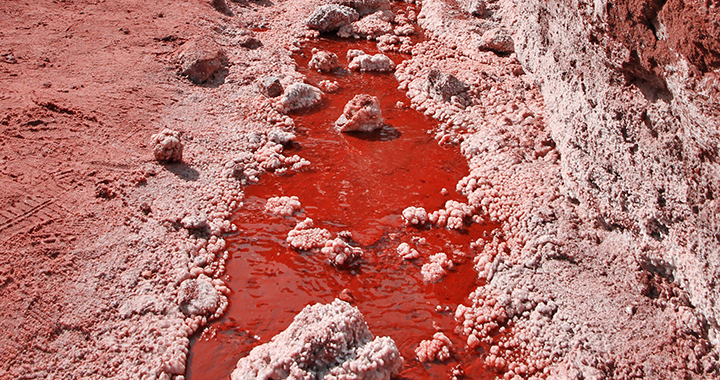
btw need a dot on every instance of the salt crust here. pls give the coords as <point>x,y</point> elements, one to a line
<point>329,342</point>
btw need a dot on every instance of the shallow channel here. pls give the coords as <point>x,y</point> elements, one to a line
<point>359,183</point>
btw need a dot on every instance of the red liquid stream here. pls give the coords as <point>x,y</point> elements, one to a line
<point>359,183</point>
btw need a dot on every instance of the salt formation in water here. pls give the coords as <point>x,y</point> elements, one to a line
<point>407,252</point>
<point>330,342</point>
<point>329,86</point>
<point>300,95</point>
<point>453,216</point>
<point>340,253</point>
<point>328,18</point>
<point>436,269</point>
<point>305,237</point>
<point>415,215</point>
<point>360,61</point>
<point>282,206</point>
<point>437,348</point>
<point>199,297</point>
<point>362,113</point>
<point>166,146</point>
<point>324,61</point>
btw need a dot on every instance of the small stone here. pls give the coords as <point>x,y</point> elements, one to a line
<point>271,87</point>
<point>362,113</point>
<point>167,146</point>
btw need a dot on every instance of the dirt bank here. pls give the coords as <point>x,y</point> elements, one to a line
<point>589,128</point>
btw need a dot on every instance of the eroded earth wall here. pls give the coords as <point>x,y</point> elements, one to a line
<point>630,89</point>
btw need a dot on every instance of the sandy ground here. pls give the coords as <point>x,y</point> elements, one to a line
<point>596,153</point>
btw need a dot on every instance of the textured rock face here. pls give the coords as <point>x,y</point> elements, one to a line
<point>323,342</point>
<point>628,88</point>
<point>362,113</point>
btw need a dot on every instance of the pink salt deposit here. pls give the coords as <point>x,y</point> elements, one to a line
<point>415,215</point>
<point>282,206</point>
<point>340,253</point>
<point>324,341</point>
<point>436,268</point>
<point>300,95</point>
<point>366,62</point>
<point>324,61</point>
<point>438,348</point>
<point>305,237</point>
<point>407,252</point>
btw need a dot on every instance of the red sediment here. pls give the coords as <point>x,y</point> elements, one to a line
<point>358,183</point>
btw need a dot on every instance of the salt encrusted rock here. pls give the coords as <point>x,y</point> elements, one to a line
<point>198,296</point>
<point>365,7</point>
<point>498,40</point>
<point>340,253</point>
<point>271,87</point>
<point>407,252</point>
<point>445,87</point>
<point>362,113</point>
<point>202,60</point>
<point>438,348</point>
<point>330,342</point>
<point>370,27</point>
<point>435,270</point>
<point>415,215</point>
<point>324,61</point>
<point>331,17</point>
<point>366,62</point>
<point>305,237</point>
<point>300,95</point>
<point>166,146</point>
<point>282,206</point>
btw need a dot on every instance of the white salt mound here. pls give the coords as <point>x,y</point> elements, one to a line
<point>330,342</point>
